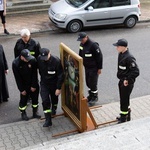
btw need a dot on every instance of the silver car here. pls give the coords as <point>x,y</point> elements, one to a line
<point>73,15</point>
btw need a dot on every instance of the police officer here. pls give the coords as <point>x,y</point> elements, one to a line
<point>92,61</point>
<point>26,42</point>
<point>127,73</point>
<point>52,77</point>
<point>25,73</point>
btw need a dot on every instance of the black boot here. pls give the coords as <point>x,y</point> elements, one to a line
<point>122,118</point>
<point>35,113</point>
<point>128,115</point>
<point>48,121</point>
<point>94,99</point>
<point>24,115</point>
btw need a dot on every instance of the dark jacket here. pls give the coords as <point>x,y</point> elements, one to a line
<point>25,73</point>
<point>32,45</point>
<point>51,71</point>
<point>3,82</point>
<point>91,54</point>
<point>127,67</point>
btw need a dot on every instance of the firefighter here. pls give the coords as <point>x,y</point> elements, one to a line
<point>26,42</point>
<point>25,73</point>
<point>52,77</point>
<point>128,71</point>
<point>92,61</point>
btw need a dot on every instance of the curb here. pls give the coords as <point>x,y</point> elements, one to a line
<point>50,30</point>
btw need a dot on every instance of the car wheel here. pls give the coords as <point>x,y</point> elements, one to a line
<point>74,26</point>
<point>130,22</point>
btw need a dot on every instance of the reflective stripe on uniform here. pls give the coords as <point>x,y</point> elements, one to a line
<point>122,67</point>
<point>23,108</point>
<point>47,111</point>
<point>32,53</point>
<point>124,112</point>
<point>34,106</point>
<point>51,72</point>
<point>81,48</point>
<point>88,55</point>
<point>94,91</point>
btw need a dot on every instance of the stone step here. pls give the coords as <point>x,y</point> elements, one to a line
<point>27,12</point>
<point>27,6</point>
<point>23,2</point>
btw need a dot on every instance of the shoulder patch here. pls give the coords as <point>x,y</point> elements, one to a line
<point>97,50</point>
<point>133,64</point>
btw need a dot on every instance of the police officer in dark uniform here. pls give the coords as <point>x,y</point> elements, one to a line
<point>52,77</point>
<point>127,73</point>
<point>92,61</point>
<point>26,42</point>
<point>25,73</point>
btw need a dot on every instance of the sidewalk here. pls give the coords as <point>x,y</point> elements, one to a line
<point>31,135</point>
<point>40,22</point>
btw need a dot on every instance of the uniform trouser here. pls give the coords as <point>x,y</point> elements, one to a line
<point>91,78</point>
<point>24,98</point>
<point>48,96</point>
<point>125,92</point>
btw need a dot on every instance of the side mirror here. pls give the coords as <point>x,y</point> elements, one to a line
<point>90,8</point>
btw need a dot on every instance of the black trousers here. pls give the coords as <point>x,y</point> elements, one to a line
<point>24,98</point>
<point>124,92</point>
<point>49,99</point>
<point>91,78</point>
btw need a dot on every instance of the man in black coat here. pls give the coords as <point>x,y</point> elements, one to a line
<point>52,77</point>
<point>127,73</point>
<point>93,63</point>
<point>26,42</point>
<point>4,94</point>
<point>25,72</point>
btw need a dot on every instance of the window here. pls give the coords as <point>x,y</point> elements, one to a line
<point>76,3</point>
<point>120,2</point>
<point>100,4</point>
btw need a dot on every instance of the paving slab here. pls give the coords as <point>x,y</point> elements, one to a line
<point>127,136</point>
<point>30,134</point>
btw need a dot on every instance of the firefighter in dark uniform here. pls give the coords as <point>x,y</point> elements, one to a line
<point>52,77</point>
<point>92,61</point>
<point>127,73</point>
<point>25,73</point>
<point>26,42</point>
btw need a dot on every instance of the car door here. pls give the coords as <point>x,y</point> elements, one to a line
<point>97,13</point>
<point>119,9</point>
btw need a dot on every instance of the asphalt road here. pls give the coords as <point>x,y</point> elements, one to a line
<point>139,44</point>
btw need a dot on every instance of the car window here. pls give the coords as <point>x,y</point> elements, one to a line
<point>76,3</point>
<point>100,4</point>
<point>120,2</point>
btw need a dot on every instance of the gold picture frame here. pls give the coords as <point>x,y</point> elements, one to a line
<point>72,89</point>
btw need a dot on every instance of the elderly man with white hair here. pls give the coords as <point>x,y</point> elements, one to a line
<point>26,42</point>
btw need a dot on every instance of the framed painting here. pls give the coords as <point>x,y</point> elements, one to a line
<point>72,89</point>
